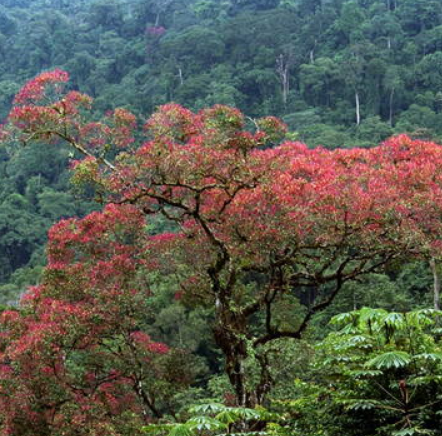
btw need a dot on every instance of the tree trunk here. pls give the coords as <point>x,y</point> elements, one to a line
<point>283,69</point>
<point>436,283</point>
<point>358,113</point>
<point>229,333</point>
<point>391,107</point>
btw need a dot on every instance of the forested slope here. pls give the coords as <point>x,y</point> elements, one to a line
<point>340,73</point>
<point>218,252</point>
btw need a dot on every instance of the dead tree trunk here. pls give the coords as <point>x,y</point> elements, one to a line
<point>283,64</point>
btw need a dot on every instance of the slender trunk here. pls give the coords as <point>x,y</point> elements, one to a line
<point>180,75</point>
<point>358,113</point>
<point>283,70</point>
<point>436,283</point>
<point>391,107</point>
<point>286,87</point>
<point>312,56</point>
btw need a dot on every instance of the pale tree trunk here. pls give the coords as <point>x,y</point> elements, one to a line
<point>358,110</point>
<point>436,283</point>
<point>283,64</point>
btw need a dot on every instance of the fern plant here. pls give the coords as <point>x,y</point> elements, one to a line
<point>216,419</point>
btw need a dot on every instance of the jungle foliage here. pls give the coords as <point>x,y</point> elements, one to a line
<point>214,295</point>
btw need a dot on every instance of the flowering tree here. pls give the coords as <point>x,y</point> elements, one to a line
<point>256,222</point>
<point>76,355</point>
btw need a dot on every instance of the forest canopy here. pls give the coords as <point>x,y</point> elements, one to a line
<point>220,217</point>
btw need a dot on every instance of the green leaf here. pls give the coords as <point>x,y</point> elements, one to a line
<point>181,430</point>
<point>201,423</point>
<point>252,433</point>
<point>343,318</point>
<point>392,359</point>
<point>424,380</point>
<point>365,373</point>
<point>362,405</point>
<point>207,408</point>
<point>412,432</point>
<point>234,414</point>
<point>368,315</point>
<point>434,357</point>
<point>405,432</point>
<point>395,320</point>
<point>360,341</point>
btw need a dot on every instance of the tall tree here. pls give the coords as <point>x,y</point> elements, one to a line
<point>256,224</point>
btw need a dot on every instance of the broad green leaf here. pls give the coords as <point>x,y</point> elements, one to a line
<point>395,320</point>
<point>182,430</point>
<point>201,423</point>
<point>343,318</point>
<point>207,408</point>
<point>392,359</point>
<point>434,357</point>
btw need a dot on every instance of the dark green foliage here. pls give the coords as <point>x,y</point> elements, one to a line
<point>380,374</point>
<point>34,193</point>
<point>199,52</point>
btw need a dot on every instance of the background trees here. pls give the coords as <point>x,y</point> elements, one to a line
<point>183,47</point>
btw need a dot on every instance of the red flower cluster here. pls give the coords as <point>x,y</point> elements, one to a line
<point>36,89</point>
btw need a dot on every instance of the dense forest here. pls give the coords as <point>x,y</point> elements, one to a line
<point>339,73</point>
<point>220,278</point>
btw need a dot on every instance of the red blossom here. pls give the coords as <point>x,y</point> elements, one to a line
<point>35,89</point>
